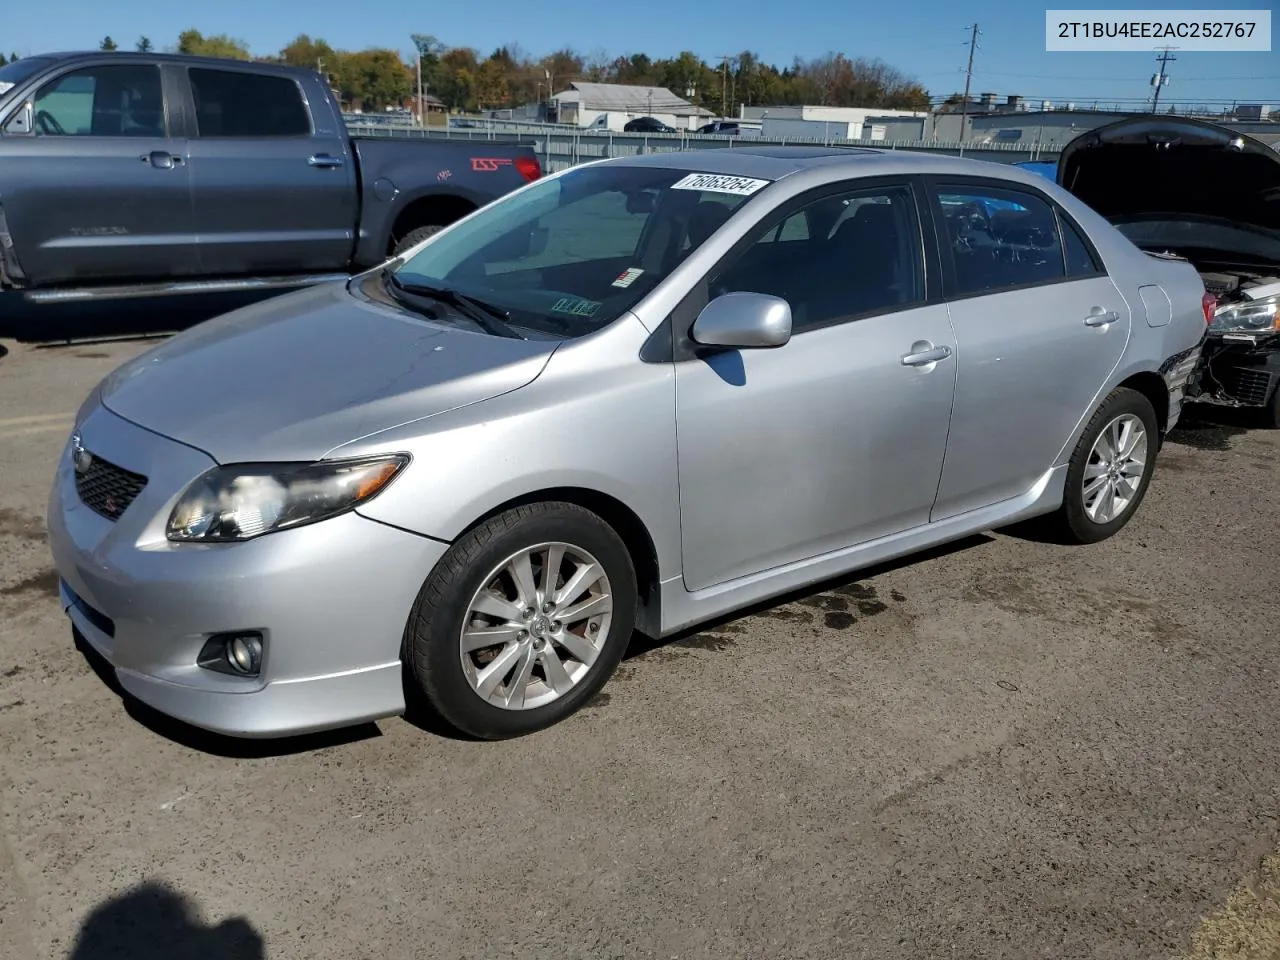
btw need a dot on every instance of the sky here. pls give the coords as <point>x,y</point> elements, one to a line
<point>927,39</point>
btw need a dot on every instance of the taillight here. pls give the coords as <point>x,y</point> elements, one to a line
<point>1209,303</point>
<point>529,168</point>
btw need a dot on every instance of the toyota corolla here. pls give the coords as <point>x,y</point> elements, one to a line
<point>633,396</point>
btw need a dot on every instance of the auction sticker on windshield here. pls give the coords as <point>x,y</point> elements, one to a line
<point>719,183</point>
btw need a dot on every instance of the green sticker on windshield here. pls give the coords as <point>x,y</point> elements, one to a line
<point>576,307</point>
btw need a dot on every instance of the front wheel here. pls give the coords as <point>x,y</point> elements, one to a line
<point>1110,469</point>
<point>522,621</point>
<point>415,237</point>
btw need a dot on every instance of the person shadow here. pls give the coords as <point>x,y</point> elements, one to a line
<point>154,922</point>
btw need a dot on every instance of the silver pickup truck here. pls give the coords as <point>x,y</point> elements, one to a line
<point>125,174</point>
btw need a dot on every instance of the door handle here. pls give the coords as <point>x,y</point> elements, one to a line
<point>324,160</point>
<point>1100,318</point>
<point>924,353</point>
<point>161,159</point>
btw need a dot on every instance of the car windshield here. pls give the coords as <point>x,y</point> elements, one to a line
<point>572,253</point>
<point>12,74</point>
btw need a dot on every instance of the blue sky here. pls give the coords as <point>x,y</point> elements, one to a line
<point>925,38</point>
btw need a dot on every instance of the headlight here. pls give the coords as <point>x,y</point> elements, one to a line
<point>1248,316</point>
<point>243,501</point>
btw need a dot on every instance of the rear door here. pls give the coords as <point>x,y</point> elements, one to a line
<point>272,179</point>
<point>1039,327</point>
<point>100,189</point>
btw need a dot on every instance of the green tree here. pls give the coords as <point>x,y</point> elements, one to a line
<point>144,45</point>
<point>197,44</point>
<point>492,87</point>
<point>3,59</point>
<point>108,44</point>
<point>377,78</point>
<point>455,78</point>
<point>316,54</point>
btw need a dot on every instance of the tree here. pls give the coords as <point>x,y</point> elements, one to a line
<point>108,45</point>
<point>377,78</point>
<point>144,45</point>
<point>455,78</point>
<point>316,54</point>
<point>3,59</point>
<point>491,87</point>
<point>195,43</point>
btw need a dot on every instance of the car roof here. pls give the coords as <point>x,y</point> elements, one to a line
<point>154,57</point>
<point>775,162</point>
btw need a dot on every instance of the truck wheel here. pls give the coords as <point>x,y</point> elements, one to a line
<point>416,236</point>
<point>1271,416</point>
<point>522,621</point>
<point>1110,469</point>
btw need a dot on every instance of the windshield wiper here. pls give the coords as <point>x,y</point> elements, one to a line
<point>491,318</point>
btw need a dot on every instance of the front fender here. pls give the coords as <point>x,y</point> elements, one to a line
<point>597,419</point>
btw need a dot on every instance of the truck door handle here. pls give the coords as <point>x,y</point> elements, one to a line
<point>924,353</point>
<point>1100,318</point>
<point>324,160</point>
<point>161,159</point>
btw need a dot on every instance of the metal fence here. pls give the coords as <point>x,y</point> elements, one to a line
<point>559,147</point>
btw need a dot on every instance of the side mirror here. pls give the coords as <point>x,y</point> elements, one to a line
<point>744,321</point>
<point>22,122</point>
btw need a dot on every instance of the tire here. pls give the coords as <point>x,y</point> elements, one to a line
<point>1073,522</point>
<point>446,676</point>
<point>416,236</point>
<point>1271,414</point>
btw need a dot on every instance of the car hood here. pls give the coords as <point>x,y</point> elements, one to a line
<point>293,377</point>
<point>1176,167</point>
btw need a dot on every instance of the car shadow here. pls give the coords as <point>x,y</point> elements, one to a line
<point>155,922</point>
<point>204,741</point>
<point>1204,426</point>
<point>641,645</point>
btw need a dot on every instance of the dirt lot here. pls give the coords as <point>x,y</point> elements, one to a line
<point>1006,749</point>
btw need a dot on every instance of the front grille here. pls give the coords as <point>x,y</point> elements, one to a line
<point>1248,386</point>
<point>107,489</point>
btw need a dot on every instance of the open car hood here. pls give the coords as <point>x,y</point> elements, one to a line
<point>1177,167</point>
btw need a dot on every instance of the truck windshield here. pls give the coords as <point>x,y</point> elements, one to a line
<point>572,253</point>
<point>12,74</point>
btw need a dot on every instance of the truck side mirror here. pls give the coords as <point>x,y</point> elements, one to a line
<point>21,123</point>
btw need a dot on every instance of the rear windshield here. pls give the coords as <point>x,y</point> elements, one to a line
<point>572,253</point>
<point>12,74</point>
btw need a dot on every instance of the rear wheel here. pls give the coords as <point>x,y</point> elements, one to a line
<point>1110,469</point>
<point>522,621</point>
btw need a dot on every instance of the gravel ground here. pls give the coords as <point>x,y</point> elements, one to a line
<point>1002,749</point>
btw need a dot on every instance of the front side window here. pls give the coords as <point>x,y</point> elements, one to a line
<point>123,100</point>
<point>572,253</point>
<point>235,103</point>
<point>839,257</point>
<point>1000,239</point>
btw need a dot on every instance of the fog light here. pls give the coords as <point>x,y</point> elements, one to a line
<point>245,653</point>
<point>239,654</point>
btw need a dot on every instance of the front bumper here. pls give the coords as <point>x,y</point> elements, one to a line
<point>331,599</point>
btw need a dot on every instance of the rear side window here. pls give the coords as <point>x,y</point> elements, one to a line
<point>1080,259</point>
<point>1000,239</point>
<point>121,100</point>
<point>233,103</point>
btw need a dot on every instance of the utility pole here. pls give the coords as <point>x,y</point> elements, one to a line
<point>968,78</point>
<point>724,84</point>
<point>1161,78</point>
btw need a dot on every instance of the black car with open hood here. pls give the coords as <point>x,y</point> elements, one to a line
<point>1202,191</point>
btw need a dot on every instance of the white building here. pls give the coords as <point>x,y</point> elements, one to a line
<point>609,106</point>
<point>836,123</point>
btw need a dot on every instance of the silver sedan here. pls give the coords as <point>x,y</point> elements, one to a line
<point>633,396</point>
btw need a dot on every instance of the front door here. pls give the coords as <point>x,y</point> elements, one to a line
<point>100,189</point>
<point>836,438</point>
<point>273,192</point>
<point>1040,328</point>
